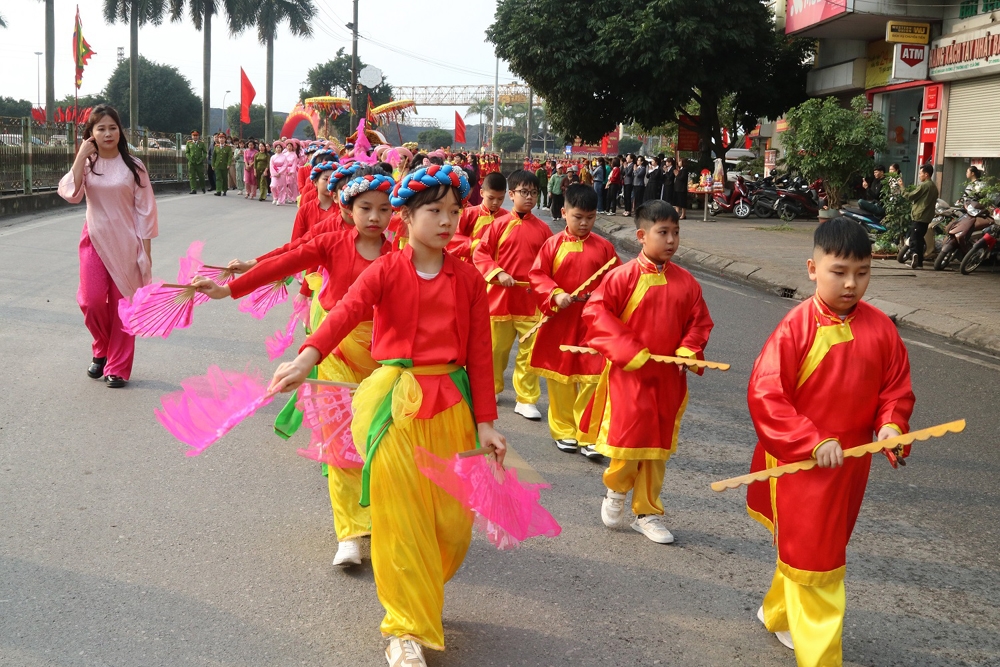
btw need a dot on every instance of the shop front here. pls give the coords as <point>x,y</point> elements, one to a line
<point>968,61</point>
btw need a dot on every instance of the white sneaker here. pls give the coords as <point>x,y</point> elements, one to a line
<point>613,509</point>
<point>567,445</point>
<point>348,553</point>
<point>528,411</point>
<point>652,527</point>
<point>784,636</point>
<point>591,453</point>
<point>404,653</point>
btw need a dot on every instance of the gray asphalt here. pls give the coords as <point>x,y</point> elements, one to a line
<point>117,550</point>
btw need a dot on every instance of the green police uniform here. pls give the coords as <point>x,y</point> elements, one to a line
<point>222,157</point>
<point>196,152</point>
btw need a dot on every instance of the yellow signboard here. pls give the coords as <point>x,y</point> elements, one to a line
<point>903,32</point>
<point>879,65</point>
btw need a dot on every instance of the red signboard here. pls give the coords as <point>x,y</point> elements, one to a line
<point>608,145</point>
<point>802,14</point>
<point>929,128</point>
<point>687,138</point>
<point>932,97</point>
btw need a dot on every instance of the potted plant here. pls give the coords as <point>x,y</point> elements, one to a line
<point>827,141</point>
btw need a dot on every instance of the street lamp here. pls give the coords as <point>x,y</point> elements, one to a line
<point>225,120</point>
<point>38,78</point>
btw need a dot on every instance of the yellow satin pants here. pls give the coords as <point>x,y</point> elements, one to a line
<point>813,614</point>
<point>567,401</point>
<point>525,382</point>
<point>644,478</point>
<point>420,534</point>
<point>350,519</point>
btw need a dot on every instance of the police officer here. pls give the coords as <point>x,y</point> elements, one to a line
<point>221,160</point>
<point>196,153</point>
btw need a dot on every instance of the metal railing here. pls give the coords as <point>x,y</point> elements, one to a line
<point>34,156</point>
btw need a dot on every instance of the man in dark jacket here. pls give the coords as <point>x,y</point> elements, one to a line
<point>872,202</point>
<point>923,199</point>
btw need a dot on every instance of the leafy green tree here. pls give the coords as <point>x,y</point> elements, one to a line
<point>255,128</point>
<point>134,13</point>
<point>15,108</point>
<point>169,105</point>
<point>83,101</point>
<point>628,145</point>
<point>648,62</point>
<point>266,16</point>
<point>201,12</point>
<point>334,78</point>
<point>435,138</point>
<point>508,142</point>
<point>825,140</point>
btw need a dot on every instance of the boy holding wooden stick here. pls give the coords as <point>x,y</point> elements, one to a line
<point>834,372</point>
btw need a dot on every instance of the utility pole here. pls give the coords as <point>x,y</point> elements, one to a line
<point>354,64</point>
<point>531,101</point>
<point>496,102</point>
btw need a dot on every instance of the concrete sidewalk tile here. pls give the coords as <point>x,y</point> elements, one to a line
<point>739,270</point>
<point>695,257</point>
<point>890,308</point>
<point>977,335</point>
<point>776,282</point>
<point>716,263</point>
<point>939,323</point>
<point>626,240</point>
<point>605,226</point>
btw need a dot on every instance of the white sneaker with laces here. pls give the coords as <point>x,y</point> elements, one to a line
<point>591,453</point>
<point>652,526</point>
<point>784,636</point>
<point>348,553</point>
<point>404,653</point>
<point>571,446</point>
<point>613,509</point>
<point>528,411</point>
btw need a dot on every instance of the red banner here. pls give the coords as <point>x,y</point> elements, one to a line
<point>802,14</point>
<point>459,129</point>
<point>247,93</point>
<point>608,145</point>
<point>687,137</point>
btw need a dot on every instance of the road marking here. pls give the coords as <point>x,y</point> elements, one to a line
<point>953,355</point>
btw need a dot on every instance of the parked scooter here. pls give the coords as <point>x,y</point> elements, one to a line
<point>764,193</point>
<point>872,223</point>
<point>795,202</point>
<point>985,248</point>
<point>736,201</point>
<point>944,214</point>
<point>962,233</point>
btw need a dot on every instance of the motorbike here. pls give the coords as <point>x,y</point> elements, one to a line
<point>764,193</point>
<point>962,232</point>
<point>983,249</point>
<point>872,223</point>
<point>944,214</point>
<point>735,201</point>
<point>795,202</point>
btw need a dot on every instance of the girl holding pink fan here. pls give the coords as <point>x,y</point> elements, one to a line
<point>434,389</point>
<point>343,256</point>
<point>115,246</point>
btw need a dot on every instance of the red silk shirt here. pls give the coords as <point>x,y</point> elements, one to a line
<point>563,264</point>
<point>510,244</point>
<point>471,226</point>
<point>820,377</point>
<point>423,322</point>
<point>637,408</point>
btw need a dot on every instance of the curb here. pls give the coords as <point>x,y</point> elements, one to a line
<point>774,282</point>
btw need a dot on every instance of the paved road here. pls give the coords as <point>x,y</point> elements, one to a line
<point>117,550</point>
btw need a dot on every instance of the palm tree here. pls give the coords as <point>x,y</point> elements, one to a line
<point>201,15</point>
<point>134,13</point>
<point>265,15</point>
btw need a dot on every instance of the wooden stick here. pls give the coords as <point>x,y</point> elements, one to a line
<point>575,293</point>
<point>219,268</point>
<point>680,361</point>
<point>178,286</point>
<point>330,383</point>
<point>478,451</point>
<point>854,452</point>
<point>517,283</point>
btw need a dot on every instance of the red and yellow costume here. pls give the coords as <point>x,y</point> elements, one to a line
<point>635,416</point>
<point>310,214</point>
<point>432,337</point>
<point>471,226</point>
<point>510,244</point>
<point>351,361</point>
<point>563,264</point>
<point>396,231</point>
<point>820,377</point>
<point>302,180</point>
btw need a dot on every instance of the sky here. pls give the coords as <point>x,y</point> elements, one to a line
<point>415,26</point>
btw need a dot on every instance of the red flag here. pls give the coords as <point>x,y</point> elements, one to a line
<point>247,93</point>
<point>459,129</point>
<point>81,49</point>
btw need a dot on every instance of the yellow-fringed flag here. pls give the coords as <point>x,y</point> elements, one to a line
<point>81,49</point>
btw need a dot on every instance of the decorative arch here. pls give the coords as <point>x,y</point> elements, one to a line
<point>299,114</point>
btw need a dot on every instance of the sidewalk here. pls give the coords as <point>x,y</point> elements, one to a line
<point>771,255</point>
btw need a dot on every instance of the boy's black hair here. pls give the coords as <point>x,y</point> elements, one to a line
<point>842,237</point>
<point>653,211</point>
<point>582,197</point>
<point>522,177</point>
<point>386,167</point>
<point>495,181</point>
